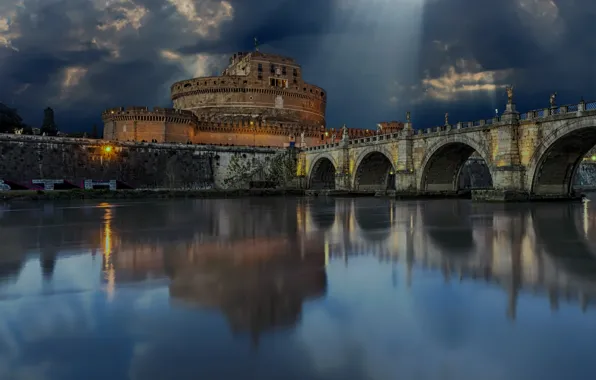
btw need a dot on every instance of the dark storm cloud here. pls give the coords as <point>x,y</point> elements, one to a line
<point>271,21</point>
<point>376,58</point>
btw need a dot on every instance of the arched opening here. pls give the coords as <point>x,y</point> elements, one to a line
<point>455,166</point>
<point>374,173</point>
<point>323,175</point>
<point>558,165</point>
<point>474,174</point>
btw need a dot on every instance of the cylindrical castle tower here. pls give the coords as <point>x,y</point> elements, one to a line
<point>259,100</point>
<point>257,86</point>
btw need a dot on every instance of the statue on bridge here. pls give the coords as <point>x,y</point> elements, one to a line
<point>446,118</point>
<point>509,90</point>
<point>553,100</point>
<point>408,119</point>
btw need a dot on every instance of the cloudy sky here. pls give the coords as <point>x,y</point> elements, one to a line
<point>377,59</point>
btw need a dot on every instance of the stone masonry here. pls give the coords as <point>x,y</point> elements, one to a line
<point>534,154</point>
<point>140,165</point>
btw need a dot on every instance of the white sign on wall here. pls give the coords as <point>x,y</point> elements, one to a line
<point>279,102</point>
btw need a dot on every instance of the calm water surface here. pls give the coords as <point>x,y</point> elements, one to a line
<point>297,289</point>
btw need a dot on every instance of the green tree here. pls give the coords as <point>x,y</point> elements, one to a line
<point>49,125</point>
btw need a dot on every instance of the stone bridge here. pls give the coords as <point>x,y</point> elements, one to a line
<point>532,155</point>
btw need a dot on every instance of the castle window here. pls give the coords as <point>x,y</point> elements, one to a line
<point>275,82</point>
<point>272,68</point>
<point>283,70</point>
<point>260,68</point>
<point>187,85</point>
<point>295,72</point>
<point>295,81</point>
<point>260,76</point>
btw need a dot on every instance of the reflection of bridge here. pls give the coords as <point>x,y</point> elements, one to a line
<point>534,154</point>
<point>519,248</point>
<point>275,254</point>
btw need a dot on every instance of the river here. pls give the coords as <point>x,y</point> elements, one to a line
<point>291,288</point>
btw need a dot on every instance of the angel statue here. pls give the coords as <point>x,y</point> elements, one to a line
<point>446,118</point>
<point>553,100</point>
<point>509,90</point>
<point>408,119</point>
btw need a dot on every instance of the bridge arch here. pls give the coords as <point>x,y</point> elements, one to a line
<point>322,173</point>
<point>443,161</point>
<point>555,161</point>
<point>374,171</point>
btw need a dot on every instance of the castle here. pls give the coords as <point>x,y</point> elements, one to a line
<point>259,100</point>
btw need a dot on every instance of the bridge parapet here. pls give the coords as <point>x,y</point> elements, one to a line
<point>533,153</point>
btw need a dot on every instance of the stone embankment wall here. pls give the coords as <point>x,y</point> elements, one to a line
<point>141,165</point>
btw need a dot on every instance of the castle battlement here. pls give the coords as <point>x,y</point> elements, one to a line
<point>239,84</point>
<point>144,114</point>
<point>260,99</point>
<point>245,126</point>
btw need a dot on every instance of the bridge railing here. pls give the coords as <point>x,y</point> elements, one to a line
<point>526,116</point>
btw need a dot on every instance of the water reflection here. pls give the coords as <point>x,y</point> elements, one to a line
<point>270,267</point>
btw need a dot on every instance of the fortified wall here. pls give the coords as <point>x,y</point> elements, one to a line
<point>140,165</point>
<point>142,124</point>
<point>259,100</point>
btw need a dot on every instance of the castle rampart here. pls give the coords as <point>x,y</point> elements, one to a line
<point>256,85</point>
<point>259,100</point>
<point>141,124</point>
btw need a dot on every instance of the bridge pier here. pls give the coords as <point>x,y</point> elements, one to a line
<point>342,182</point>
<point>405,181</point>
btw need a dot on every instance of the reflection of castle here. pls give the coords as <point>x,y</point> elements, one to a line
<point>518,249</point>
<point>257,278</point>
<point>260,268</point>
<point>258,284</point>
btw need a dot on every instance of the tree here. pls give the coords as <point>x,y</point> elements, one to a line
<point>49,126</point>
<point>9,119</point>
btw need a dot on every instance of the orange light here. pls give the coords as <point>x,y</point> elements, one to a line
<point>107,149</point>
